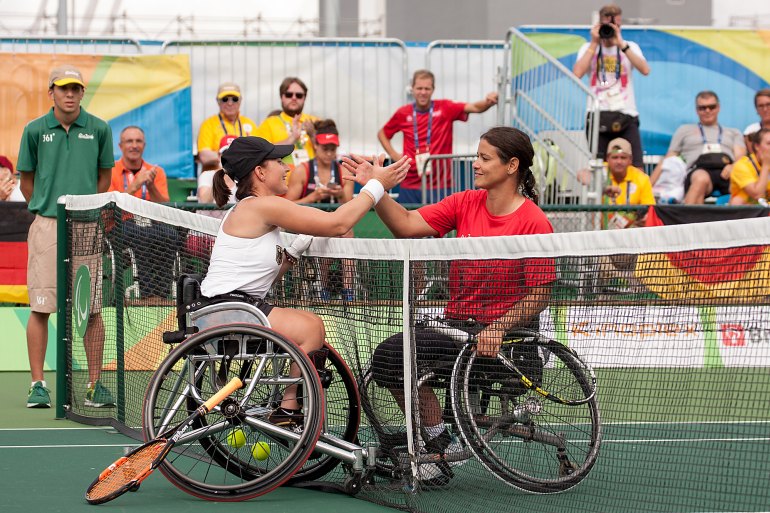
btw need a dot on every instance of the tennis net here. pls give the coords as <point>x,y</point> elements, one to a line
<point>673,322</point>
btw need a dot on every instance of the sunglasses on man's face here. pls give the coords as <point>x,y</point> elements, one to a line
<point>230,99</point>
<point>290,94</point>
<point>703,108</point>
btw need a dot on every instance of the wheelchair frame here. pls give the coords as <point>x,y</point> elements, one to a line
<point>235,338</point>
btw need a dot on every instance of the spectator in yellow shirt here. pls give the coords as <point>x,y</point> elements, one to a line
<point>627,185</point>
<point>291,125</point>
<point>228,121</point>
<point>750,179</point>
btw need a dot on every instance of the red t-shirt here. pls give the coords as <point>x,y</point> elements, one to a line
<point>485,289</point>
<point>445,112</point>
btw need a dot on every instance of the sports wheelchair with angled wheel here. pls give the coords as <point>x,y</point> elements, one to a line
<point>530,416</point>
<point>235,456</point>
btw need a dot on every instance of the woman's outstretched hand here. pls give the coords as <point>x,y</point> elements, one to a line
<point>362,169</point>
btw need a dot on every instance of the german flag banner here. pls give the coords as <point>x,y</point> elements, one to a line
<point>14,225</point>
<point>741,274</point>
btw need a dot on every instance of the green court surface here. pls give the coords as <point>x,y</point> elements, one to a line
<point>46,465</point>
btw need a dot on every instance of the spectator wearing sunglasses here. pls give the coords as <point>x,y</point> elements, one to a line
<point>762,104</point>
<point>228,121</point>
<point>291,125</point>
<point>708,149</point>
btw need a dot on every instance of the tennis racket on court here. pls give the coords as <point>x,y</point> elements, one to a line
<point>130,470</point>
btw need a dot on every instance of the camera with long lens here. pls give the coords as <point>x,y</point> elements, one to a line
<point>606,31</point>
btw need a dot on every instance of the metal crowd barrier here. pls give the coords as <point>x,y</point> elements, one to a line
<point>466,71</point>
<point>70,45</point>
<point>543,98</point>
<point>446,174</point>
<point>357,82</point>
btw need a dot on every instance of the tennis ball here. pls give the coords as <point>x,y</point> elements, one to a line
<point>260,451</point>
<point>236,438</point>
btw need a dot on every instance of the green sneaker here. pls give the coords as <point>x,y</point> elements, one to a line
<point>98,396</point>
<point>39,396</point>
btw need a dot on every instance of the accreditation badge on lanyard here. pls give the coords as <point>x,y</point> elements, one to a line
<point>421,159</point>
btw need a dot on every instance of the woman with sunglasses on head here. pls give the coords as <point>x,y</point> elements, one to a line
<point>248,257</point>
<point>320,181</point>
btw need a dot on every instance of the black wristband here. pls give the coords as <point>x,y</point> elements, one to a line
<point>625,48</point>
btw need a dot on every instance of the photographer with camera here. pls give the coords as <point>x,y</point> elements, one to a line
<point>610,60</point>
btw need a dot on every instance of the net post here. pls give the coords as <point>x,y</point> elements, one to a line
<point>62,351</point>
<point>119,295</point>
<point>410,399</point>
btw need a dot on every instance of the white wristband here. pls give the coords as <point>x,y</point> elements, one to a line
<point>375,188</point>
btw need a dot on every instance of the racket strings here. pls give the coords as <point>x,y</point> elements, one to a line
<point>125,470</point>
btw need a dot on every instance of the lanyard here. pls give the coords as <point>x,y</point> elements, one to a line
<point>238,120</point>
<point>414,125</point>
<point>314,170</point>
<point>600,65</point>
<point>756,168</point>
<point>125,182</point>
<point>332,177</point>
<point>703,134</point>
<point>628,192</point>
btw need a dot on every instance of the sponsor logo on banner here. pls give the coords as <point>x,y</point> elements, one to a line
<point>735,335</point>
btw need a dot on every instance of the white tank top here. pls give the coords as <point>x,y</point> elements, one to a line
<point>247,265</point>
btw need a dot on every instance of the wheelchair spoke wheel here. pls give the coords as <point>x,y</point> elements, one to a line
<point>522,435</point>
<point>234,453</point>
<point>342,415</point>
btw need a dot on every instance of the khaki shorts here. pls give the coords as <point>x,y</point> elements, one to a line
<point>41,262</point>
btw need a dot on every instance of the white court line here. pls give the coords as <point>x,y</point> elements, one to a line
<point>689,422</point>
<point>686,440</point>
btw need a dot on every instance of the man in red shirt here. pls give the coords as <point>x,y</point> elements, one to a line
<point>427,128</point>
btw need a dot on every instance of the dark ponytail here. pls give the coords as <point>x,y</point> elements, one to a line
<point>222,192</point>
<point>219,189</point>
<point>513,143</point>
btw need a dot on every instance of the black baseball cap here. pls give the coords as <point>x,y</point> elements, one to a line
<point>246,153</point>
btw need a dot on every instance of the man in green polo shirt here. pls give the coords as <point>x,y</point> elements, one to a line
<point>66,151</point>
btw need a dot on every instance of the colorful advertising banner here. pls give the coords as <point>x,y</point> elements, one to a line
<point>152,92</point>
<point>663,336</point>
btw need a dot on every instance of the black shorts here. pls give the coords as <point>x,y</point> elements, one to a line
<point>434,351</point>
<point>717,182</point>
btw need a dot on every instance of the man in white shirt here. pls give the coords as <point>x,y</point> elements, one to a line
<point>611,60</point>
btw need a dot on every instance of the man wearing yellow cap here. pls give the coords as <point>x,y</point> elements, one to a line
<point>66,151</point>
<point>227,122</point>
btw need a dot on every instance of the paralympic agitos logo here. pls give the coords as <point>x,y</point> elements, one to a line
<point>81,299</point>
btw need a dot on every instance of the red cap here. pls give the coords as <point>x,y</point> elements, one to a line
<point>4,162</point>
<point>225,142</point>
<point>327,139</point>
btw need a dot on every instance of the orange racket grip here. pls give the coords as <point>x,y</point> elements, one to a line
<point>225,391</point>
